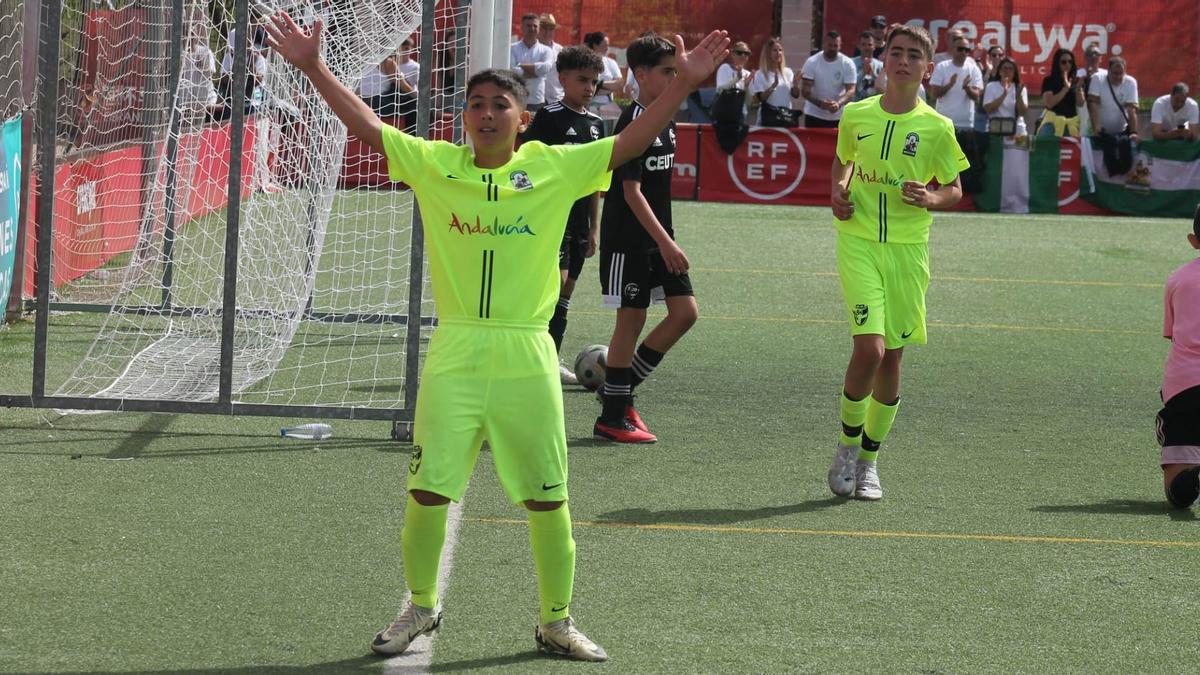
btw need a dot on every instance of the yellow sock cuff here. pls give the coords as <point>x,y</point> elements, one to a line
<point>853,414</point>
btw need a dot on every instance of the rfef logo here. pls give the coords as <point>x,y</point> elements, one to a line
<point>769,165</point>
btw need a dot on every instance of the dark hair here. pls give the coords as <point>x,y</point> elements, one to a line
<point>578,58</point>
<point>833,34</point>
<point>530,15</point>
<point>1000,64</point>
<point>648,51</point>
<point>915,33</point>
<point>1179,88</point>
<point>866,34</point>
<point>1055,75</point>
<point>505,79</point>
<point>1116,61</point>
<point>1196,222</point>
<point>594,39</point>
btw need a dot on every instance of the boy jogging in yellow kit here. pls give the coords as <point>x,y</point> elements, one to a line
<point>494,220</point>
<point>889,148</point>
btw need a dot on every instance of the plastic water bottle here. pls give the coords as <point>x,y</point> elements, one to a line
<point>308,432</point>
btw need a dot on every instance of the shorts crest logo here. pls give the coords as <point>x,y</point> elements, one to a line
<point>910,144</point>
<point>414,464</point>
<point>860,314</point>
<point>520,180</point>
<point>632,290</point>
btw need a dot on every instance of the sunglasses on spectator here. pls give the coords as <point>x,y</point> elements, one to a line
<point>740,52</point>
<point>1065,62</point>
<point>963,49</point>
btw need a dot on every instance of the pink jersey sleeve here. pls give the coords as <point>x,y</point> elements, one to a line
<point>1168,311</point>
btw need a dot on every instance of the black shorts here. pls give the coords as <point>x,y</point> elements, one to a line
<point>811,122</point>
<point>635,279</point>
<point>1178,423</point>
<point>572,252</point>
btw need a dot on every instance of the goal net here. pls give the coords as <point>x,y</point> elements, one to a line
<point>321,244</point>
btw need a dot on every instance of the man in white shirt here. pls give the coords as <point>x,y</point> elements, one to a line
<point>957,84</point>
<point>532,61</point>
<point>1175,117</point>
<point>871,79</point>
<point>1113,100</point>
<point>546,27</point>
<point>828,82</point>
<point>197,92</point>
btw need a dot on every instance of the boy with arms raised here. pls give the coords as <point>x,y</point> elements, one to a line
<point>569,122</point>
<point>889,149</point>
<point>639,259</point>
<point>494,220</point>
<point>1178,423</point>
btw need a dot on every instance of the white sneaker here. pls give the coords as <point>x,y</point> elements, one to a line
<point>412,622</point>
<point>566,375</point>
<point>562,638</point>
<point>867,482</point>
<point>841,473</point>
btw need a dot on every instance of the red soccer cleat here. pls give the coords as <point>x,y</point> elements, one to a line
<point>624,432</point>
<point>635,419</point>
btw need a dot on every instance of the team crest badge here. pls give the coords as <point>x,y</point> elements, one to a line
<point>860,314</point>
<point>910,144</point>
<point>632,290</point>
<point>414,464</point>
<point>671,133</point>
<point>595,132</point>
<point>520,180</point>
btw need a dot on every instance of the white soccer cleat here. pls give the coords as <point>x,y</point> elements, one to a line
<point>566,375</point>
<point>412,622</point>
<point>867,482</point>
<point>562,638</point>
<point>841,473</point>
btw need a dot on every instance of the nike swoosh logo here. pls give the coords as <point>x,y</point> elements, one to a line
<point>559,609</point>
<point>551,487</point>
<point>862,136</point>
<point>905,336</point>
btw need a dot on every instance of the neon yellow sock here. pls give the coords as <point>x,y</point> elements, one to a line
<point>880,417</point>
<point>554,557</point>
<point>853,414</point>
<point>421,545</point>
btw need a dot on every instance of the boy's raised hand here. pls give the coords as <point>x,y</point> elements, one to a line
<point>695,66</point>
<point>300,47</point>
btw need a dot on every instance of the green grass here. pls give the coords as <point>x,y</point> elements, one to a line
<point>1023,527</point>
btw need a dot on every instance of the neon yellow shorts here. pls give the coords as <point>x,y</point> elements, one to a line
<point>495,384</point>
<point>884,287</point>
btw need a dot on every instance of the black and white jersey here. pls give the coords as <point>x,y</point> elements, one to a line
<point>619,227</point>
<point>556,124</point>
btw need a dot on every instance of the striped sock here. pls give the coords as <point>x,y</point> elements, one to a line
<point>645,360</point>
<point>558,322</point>
<point>617,389</point>
<point>880,417</point>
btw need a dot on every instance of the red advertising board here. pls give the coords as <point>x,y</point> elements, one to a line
<point>1160,39</point>
<point>772,166</point>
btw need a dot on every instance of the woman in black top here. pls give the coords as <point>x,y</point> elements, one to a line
<point>1062,94</point>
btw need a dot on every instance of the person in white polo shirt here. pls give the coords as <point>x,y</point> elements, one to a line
<point>1175,116</point>
<point>1113,100</point>
<point>532,61</point>
<point>547,25</point>
<point>957,84</point>
<point>828,81</point>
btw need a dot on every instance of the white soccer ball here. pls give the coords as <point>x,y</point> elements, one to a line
<point>590,366</point>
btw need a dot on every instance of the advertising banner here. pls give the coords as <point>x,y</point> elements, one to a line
<point>10,194</point>
<point>1159,52</point>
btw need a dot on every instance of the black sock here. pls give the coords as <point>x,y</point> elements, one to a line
<point>868,444</point>
<point>558,322</point>
<point>1185,489</point>
<point>616,393</point>
<point>645,360</point>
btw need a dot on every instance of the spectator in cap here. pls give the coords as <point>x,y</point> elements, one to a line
<point>1175,116</point>
<point>546,27</point>
<point>878,31</point>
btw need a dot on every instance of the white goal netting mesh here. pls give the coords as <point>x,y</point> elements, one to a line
<point>324,249</point>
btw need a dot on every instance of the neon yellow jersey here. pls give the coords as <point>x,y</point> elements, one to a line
<point>492,235</point>
<point>888,150</point>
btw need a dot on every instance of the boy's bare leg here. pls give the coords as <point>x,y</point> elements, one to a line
<point>682,313</point>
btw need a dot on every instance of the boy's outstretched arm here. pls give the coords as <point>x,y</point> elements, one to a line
<point>302,48</point>
<point>691,69</point>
